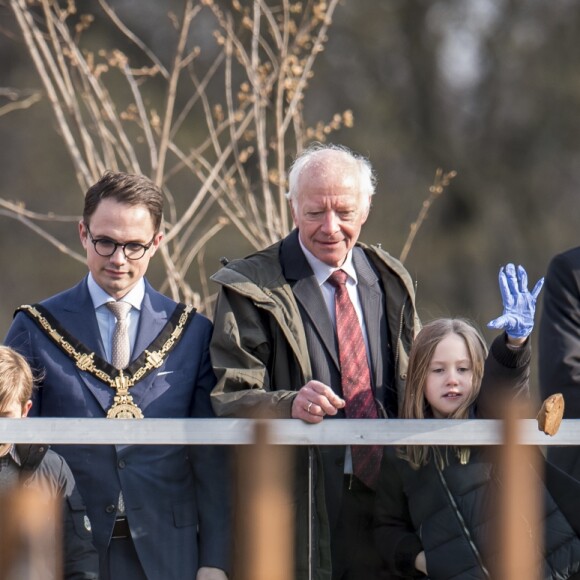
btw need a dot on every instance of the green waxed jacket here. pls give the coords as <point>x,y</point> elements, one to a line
<point>260,357</point>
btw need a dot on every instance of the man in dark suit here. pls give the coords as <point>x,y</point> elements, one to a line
<point>160,511</point>
<point>276,353</point>
<point>559,346</point>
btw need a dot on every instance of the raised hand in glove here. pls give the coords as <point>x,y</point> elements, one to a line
<point>519,304</point>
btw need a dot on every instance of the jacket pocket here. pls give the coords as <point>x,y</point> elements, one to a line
<point>184,514</point>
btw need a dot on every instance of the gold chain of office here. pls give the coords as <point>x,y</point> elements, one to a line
<point>123,406</point>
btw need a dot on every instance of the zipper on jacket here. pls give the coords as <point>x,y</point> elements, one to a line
<point>462,523</point>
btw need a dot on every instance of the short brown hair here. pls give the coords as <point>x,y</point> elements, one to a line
<point>16,381</point>
<point>127,188</point>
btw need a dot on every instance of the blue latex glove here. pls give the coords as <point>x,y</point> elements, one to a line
<point>519,304</point>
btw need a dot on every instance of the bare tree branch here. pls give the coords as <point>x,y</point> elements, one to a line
<point>25,103</point>
<point>226,126</point>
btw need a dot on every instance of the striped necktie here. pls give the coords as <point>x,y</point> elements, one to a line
<point>355,378</point>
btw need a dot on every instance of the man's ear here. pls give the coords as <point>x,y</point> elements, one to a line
<point>292,211</point>
<point>156,243</point>
<point>83,234</point>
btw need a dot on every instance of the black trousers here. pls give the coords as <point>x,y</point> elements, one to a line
<point>122,561</point>
<point>354,556</point>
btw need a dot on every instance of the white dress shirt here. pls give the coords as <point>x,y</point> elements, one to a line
<point>106,319</point>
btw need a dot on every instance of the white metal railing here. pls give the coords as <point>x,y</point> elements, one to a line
<point>281,432</point>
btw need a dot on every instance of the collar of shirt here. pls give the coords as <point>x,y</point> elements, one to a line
<point>100,297</point>
<point>322,271</point>
<point>106,319</point>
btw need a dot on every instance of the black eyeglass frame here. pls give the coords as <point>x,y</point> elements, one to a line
<point>137,245</point>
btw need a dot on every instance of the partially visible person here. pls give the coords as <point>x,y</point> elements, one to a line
<point>279,349</point>
<point>114,347</point>
<point>434,509</point>
<point>559,347</point>
<point>38,467</point>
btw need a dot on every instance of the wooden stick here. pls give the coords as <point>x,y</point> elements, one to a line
<point>30,535</point>
<point>264,516</point>
<point>520,504</point>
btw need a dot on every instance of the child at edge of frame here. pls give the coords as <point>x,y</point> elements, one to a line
<point>37,469</point>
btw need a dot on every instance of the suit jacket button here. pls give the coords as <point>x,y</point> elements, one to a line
<point>110,509</point>
<point>121,464</point>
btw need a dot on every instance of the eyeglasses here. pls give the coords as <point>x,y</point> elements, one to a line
<point>106,248</point>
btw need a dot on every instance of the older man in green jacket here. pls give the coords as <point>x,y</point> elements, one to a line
<point>276,352</point>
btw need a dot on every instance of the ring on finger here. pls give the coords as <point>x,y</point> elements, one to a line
<point>308,408</point>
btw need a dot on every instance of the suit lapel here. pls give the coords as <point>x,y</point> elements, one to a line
<point>307,292</point>
<point>370,296</point>
<point>77,315</point>
<point>152,319</point>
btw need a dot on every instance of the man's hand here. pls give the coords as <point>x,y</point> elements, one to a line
<point>314,401</point>
<point>519,304</point>
<point>208,573</point>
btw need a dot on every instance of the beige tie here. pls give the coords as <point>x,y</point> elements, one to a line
<point>121,346</point>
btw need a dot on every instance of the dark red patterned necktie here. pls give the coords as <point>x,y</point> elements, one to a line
<point>355,378</point>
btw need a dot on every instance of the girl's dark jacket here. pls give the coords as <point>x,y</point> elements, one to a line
<point>450,513</point>
<point>43,468</point>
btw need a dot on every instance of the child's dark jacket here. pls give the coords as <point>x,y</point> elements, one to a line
<point>43,468</point>
<point>449,513</point>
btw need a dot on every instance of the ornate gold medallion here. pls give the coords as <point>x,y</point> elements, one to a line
<point>123,406</point>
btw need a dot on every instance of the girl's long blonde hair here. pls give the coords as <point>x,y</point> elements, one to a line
<point>415,405</point>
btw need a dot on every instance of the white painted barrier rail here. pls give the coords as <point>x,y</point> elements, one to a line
<point>281,431</point>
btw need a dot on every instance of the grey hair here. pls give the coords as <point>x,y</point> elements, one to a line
<point>367,179</point>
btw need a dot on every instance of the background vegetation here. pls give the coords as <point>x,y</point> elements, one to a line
<point>488,88</point>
